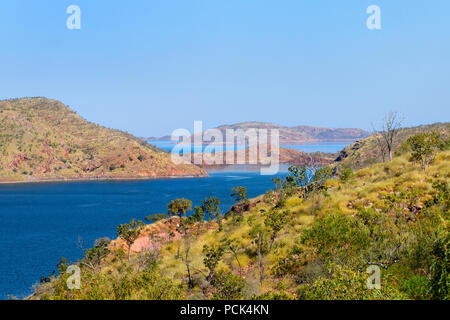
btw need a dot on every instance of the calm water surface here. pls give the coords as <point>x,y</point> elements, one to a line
<point>331,147</point>
<point>40,223</point>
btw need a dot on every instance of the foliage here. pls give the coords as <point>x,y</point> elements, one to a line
<point>210,207</point>
<point>440,267</point>
<point>62,265</point>
<point>213,254</point>
<point>227,286</point>
<point>156,217</point>
<point>309,179</point>
<point>42,139</point>
<point>345,283</point>
<point>275,221</point>
<point>100,250</point>
<point>233,246</point>
<point>393,215</point>
<point>130,232</point>
<point>417,287</point>
<point>239,194</point>
<point>345,174</point>
<point>337,237</point>
<point>198,215</point>
<point>367,152</point>
<point>179,207</point>
<point>424,147</point>
<point>283,190</point>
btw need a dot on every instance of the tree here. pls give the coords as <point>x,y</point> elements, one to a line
<point>392,123</point>
<point>284,189</point>
<point>321,175</point>
<point>213,255</point>
<point>179,208</point>
<point>382,148</point>
<point>148,257</point>
<point>309,177</point>
<point>258,235</point>
<point>197,217</point>
<point>424,147</point>
<point>239,194</point>
<point>185,258</point>
<point>156,217</point>
<point>233,246</point>
<point>130,232</point>
<point>303,177</point>
<point>210,207</point>
<point>62,265</point>
<point>300,175</point>
<point>227,286</point>
<point>275,221</point>
<point>94,255</point>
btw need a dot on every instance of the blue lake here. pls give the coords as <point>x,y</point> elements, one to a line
<point>40,223</point>
<point>331,147</point>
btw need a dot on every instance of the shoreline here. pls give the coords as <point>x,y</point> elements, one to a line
<point>282,144</point>
<point>93,179</point>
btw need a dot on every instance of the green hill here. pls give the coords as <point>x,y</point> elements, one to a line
<point>290,244</point>
<point>42,139</point>
<point>366,152</point>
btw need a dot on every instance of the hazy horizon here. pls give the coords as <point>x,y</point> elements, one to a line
<point>154,66</point>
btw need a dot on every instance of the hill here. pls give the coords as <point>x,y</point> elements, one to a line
<point>301,134</point>
<point>295,135</point>
<point>290,244</point>
<point>42,139</point>
<point>365,152</point>
<point>286,156</point>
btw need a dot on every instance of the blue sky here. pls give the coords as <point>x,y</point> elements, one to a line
<point>151,66</point>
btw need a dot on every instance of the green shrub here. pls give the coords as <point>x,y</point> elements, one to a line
<point>346,174</point>
<point>417,288</point>
<point>227,286</point>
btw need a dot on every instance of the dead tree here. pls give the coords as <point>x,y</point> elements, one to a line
<point>380,143</point>
<point>392,123</point>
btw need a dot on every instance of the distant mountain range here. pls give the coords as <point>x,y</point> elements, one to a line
<point>297,134</point>
<point>42,139</point>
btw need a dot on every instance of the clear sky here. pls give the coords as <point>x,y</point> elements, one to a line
<point>151,66</point>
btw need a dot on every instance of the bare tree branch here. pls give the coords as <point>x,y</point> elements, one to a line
<point>392,123</point>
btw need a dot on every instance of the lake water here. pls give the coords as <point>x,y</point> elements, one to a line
<point>331,147</point>
<point>40,223</point>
